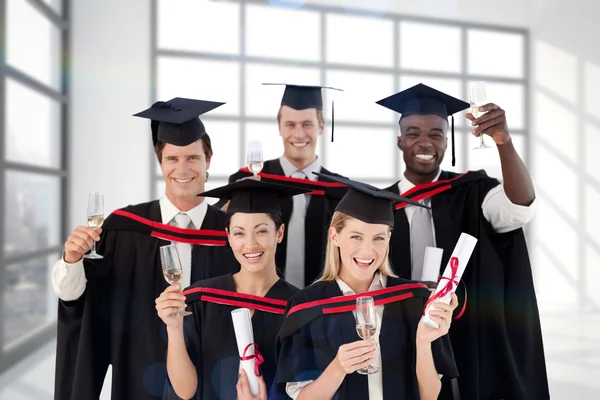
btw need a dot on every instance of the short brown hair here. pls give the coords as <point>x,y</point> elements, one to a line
<point>319,116</point>
<point>208,151</point>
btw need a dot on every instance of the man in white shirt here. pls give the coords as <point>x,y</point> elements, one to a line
<point>106,312</point>
<point>500,330</point>
<point>306,217</point>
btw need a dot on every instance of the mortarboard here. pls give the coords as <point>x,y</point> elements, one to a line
<point>422,100</point>
<point>251,196</point>
<point>368,203</point>
<point>301,97</point>
<point>176,121</point>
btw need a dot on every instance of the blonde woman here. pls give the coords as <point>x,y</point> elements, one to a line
<point>319,350</point>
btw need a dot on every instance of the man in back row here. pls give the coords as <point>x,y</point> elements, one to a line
<point>300,120</point>
<point>497,344</point>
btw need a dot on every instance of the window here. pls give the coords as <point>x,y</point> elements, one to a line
<point>367,55</point>
<point>33,169</point>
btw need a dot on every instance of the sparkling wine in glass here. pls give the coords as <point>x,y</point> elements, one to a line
<point>478,98</point>
<point>366,326</point>
<point>255,157</point>
<point>95,219</point>
<point>172,271</point>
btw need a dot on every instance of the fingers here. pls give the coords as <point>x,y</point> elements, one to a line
<point>498,122</point>
<point>454,301</point>
<point>262,386</point>
<point>489,107</point>
<point>443,323</point>
<point>243,387</point>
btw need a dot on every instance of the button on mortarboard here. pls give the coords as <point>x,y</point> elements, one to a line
<point>251,196</point>
<point>368,203</point>
<point>176,121</point>
<point>424,100</point>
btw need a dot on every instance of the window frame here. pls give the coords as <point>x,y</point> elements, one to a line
<point>323,65</point>
<point>9,356</point>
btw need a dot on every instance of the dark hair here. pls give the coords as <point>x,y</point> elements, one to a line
<point>277,219</point>
<point>208,151</point>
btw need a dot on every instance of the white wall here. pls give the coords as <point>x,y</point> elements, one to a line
<point>110,81</point>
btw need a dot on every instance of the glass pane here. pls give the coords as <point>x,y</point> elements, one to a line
<point>32,43</point>
<point>225,140</point>
<point>420,47</point>
<point>190,25</point>
<point>202,80</point>
<point>264,100</point>
<point>360,40</point>
<point>32,140</point>
<point>489,159</point>
<point>374,146</point>
<point>361,91</point>
<point>495,53</point>
<point>302,38</point>
<point>511,98</point>
<point>29,301</point>
<point>268,134</point>
<point>452,87</point>
<point>32,212</point>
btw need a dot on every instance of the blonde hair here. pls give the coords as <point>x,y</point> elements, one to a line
<point>331,269</point>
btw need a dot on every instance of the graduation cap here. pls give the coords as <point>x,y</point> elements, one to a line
<point>250,196</point>
<point>423,100</point>
<point>368,203</point>
<point>302,97</point>
<point>176,121</point>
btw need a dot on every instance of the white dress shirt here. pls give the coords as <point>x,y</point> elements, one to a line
<point>295,259</point>
<point>375,380</point>
<point>498,210</point>
<point>68,280</point>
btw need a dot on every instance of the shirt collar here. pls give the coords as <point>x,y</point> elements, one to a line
<point>405,185</point>
<point>289,168</point>
<point>379,282</point>
<point>168,211</point>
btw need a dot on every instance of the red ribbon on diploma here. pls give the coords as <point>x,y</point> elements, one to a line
<point>449,286</point>
<point>259,358</point>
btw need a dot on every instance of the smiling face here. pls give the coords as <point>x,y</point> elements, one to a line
<point>184,170</point>
<point>363,249</point>
<point>423,143</point>
<point>253,239</point>
<point>300,131</point>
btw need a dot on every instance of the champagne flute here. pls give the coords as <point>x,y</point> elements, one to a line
<point>172,271</point>
<point>366,326</point>
<point>477,99</point>
<point>95,219</point>
<point>255,157</point>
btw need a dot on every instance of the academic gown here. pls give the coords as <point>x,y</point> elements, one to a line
<point>210,336</point>
<point>115,321</point>
<point>319,320</point>
<point>497,342</point>
<point>318,214</point>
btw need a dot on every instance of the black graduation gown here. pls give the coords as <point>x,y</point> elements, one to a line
<point>115,321</point>
<point>498,342</point>
<point>318,215</point>
<point>319,320</point>
<point>210,337</point>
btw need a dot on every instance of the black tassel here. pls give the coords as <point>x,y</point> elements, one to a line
<point>453,150</point>
<point>332,120</point>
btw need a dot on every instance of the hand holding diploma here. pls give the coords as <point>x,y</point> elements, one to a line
<point>250,358</point>
<point>452,275</point>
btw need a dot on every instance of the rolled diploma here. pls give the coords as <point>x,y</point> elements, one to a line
<point>242,324</point>
<point>462,251</point>
<point>431,264</point>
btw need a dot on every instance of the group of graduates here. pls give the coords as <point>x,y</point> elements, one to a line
<point>297,244</point>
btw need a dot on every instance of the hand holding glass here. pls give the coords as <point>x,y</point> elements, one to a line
<point>366,325</point>
<point>95,219</point>
<point>172,271</point>
<point>478,98</point>
<point>255,157</point>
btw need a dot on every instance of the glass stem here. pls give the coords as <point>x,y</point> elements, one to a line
<point>94,247</point>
